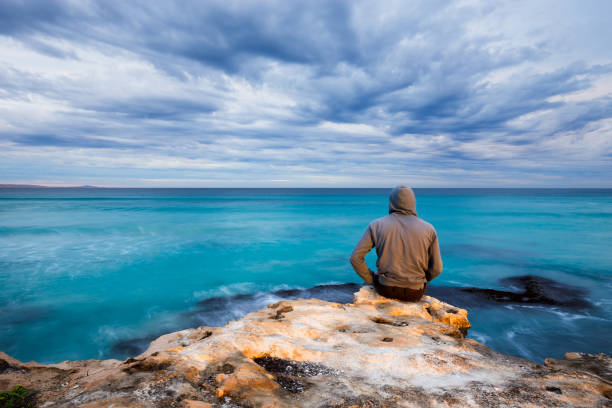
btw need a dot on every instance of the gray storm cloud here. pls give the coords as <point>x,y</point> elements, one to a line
<point>318,93</point>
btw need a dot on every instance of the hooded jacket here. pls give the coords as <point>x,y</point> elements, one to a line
<point>406,246</point>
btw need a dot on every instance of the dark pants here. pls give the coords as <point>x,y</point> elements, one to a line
<point>395,292</point>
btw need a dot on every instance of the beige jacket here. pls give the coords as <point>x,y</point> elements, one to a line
<point>406,246</point>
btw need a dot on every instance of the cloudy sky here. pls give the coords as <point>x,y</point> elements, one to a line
<point>306,93</point>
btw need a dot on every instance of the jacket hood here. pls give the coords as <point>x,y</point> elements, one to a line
<point>402,201</point>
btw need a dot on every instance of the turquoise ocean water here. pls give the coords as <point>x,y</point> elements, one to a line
<point>83,269</point>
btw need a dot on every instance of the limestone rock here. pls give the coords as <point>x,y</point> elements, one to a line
<point>428,308</point>
<point>375,352</point>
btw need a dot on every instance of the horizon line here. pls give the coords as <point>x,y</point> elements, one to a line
<point>75,186</point>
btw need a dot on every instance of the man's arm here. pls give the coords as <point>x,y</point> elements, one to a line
<point>358,256</point>
<point>435,260</point>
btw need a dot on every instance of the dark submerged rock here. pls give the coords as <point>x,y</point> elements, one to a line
<point>529,289</point>
<point>133,346</point>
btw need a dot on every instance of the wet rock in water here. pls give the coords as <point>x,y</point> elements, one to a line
<point>217,311</point>
<point>18,315</point>
<point>547,291</point>
<point>373,352</point>
<point>340,293</point>
<point>528,289</point>
<point>132,347</point>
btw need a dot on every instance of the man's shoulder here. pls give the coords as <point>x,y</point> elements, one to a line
<point>419,224</point>
<point>426,224</point>
<point>381,220</point>
<point>431,231</point>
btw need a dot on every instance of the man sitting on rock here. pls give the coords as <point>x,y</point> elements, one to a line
<point>407,250</point>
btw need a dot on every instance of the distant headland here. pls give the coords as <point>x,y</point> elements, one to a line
<point>43,186</point>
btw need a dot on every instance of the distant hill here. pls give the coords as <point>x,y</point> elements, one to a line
<point>20,186</point>
<point>37,186</point>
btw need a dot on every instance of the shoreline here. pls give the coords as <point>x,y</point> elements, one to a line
<point>311,353</point>
<point>526,291</point>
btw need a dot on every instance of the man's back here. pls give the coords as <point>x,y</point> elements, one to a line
<point>406,246</point>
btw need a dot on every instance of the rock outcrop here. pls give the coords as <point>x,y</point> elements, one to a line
<point>374,352</point>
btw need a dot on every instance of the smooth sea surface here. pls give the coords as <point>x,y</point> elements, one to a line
<point>85,269</point>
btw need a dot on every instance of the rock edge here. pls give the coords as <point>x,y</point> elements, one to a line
<point>375,352</point>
